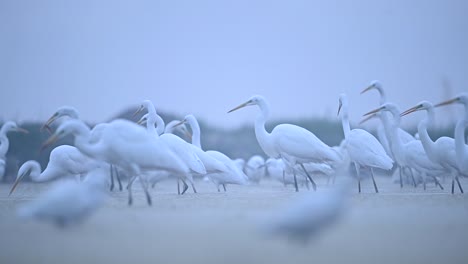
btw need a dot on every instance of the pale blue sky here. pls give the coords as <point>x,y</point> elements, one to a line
<point>205,57</point>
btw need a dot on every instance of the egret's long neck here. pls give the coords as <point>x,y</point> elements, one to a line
<point>4,145</point>
<point>345,120</point>
<point>260,131</point>
<point>383,97</point>
<point>151,120</point>
<point>160,125</point>
<point>460,144</point>
<point>49,173</point>
<point>195,132</point>
<point>428,144</point>
<point>391,128</point>
<point>82,136</point>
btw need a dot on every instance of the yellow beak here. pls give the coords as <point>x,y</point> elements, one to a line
<point>49,141</point>
<point>17,181</point>
<point>370,87</point>
<point>451,101</point>
<point>411,110</point>
<point>239,107</point>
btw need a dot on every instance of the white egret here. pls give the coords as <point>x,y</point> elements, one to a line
<point>96,132</point>
<point>64,161</point>
<point>363,148</point>
<point>383,128</point>
<point>255,168</point>
<point>185,151</point>
<point>294,144</point>
<point>461,148</point>
<point>8,126</point>
<point>68,202</point>
<point>129,146</point>
<point>223,169</point>
<point>442,151</point>
<point>411,154</point>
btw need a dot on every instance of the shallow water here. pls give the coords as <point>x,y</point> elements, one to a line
<point>395,226</point>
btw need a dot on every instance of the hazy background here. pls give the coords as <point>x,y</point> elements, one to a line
<point>205,57</point>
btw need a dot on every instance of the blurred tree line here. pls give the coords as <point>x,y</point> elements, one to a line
<point>235,143</point>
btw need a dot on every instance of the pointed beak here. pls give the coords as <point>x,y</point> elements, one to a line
<point>373,111</point>
<point>17,181</point>
<point>339,109</point>
<point>367,89</point>
<point>141,121</point>
<point>180,123</point>
<point>239,107</point>
<point>49,141</point>
<point>451,101</point>
<point>411,110</point>
<point>49,122</point>
<point>22,130</point>
<point>369,117</point>
<point>138,110</point>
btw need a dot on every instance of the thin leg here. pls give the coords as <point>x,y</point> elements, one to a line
<point>412,177</point>
<point>193,188</point>
<point>307,184</point>
<point>218,188</point>
<point>178,186</point>
<point>373,180</point>
<point>459,185</point>
<point>358,175</point>
<point>310,178</point>
<point>224,186</point>
<point>129,188</point>
<point>117,175</point>
<point>185,187</point>
<point>111,177</point>
<point>437,183</point>
<point>401,177</point>
<point>295,181</point>
<point>424,180</point>
<point>453,185</point>
<point>145,189</point>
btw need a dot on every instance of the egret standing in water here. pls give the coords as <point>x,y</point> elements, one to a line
<point>363,148</point>
<point>410,154</point>
<point>442,151</point>
<point>461,148</point>
<point>293,144</point>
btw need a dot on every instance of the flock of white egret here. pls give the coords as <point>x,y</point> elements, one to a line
<point>295,156</point>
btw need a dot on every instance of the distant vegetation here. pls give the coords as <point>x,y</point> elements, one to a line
<point>236,143</point>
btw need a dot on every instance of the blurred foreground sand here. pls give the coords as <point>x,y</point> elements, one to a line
<point>395,226</point>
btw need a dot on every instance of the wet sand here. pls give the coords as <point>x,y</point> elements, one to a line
<point>395,226</point>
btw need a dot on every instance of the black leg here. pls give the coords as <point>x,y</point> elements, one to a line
<point>310,178</point>
<point>185,187</point>
<point>117,175</point>
<point>373,180</point>
<point>437,183</point>
<point>112,177</point>
<point>459,185</point>
<point>224,186</point>
<point>295,181</point>
<point>401,177</point>
<point>193,188</point>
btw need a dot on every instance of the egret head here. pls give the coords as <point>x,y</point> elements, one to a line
<point>423,105</point>
<point>373,85</point>
<point>61,111</point>
<point>254,100</point>
<point>11,126</point>
<point>460,99</point>
<point>25,170</point>
<point>146,104</point>
<point>143,119</point>
<point>183,128</point>
<point>68,128</point>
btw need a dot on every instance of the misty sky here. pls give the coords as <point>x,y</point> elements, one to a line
<point>205,57</point>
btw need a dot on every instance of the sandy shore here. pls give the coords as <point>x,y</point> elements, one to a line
<point>395,226</point>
